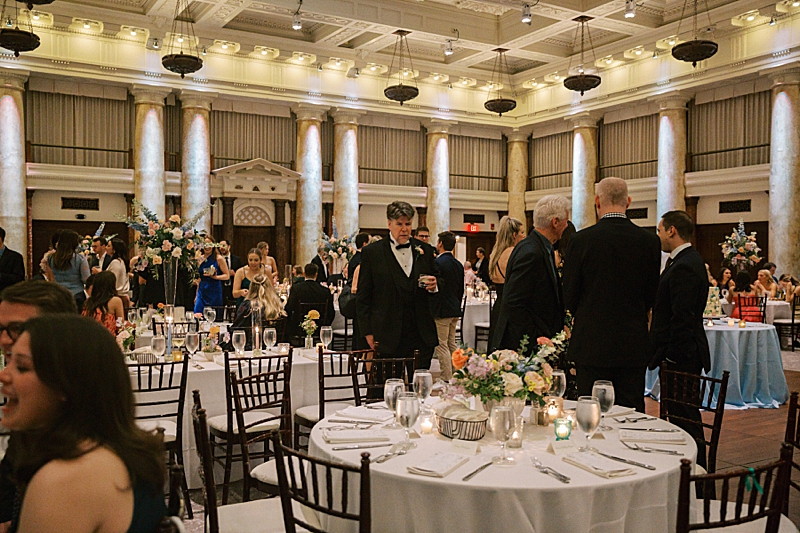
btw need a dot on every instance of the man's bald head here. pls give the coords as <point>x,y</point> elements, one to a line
<point>612,196</point>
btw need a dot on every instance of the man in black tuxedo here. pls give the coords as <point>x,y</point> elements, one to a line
<point>322,265</point>
<point>481,266</point>
<point>12,268</point>
<point>610,281</point>
<point>234,264</point>
<point>308,291</point>
<point>99,259</point>
<point>451,293</point>
<point>392,309</point>
<point>532,302</point>
<point>677,329</point>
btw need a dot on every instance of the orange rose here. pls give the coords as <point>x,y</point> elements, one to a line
<point>541,341</point>
<point>459,359</point>
<point>161,306</point>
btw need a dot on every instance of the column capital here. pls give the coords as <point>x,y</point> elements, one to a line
<point>309,112</point>
<point>790,76</point>
<point>587,119</point>
<point>671,100</point>
<point>438,125</point>
<point>11,78</point>
<point>517,136</point>
<point>196,99</point>
<point>228,200</point>
<point>346,115</point>
<point>149,94</point>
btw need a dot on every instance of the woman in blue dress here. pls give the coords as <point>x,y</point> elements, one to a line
<point>212,274</point>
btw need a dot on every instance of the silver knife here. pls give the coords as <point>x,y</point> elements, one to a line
<point>361,446</point>
<point>656,430</point>
<point>558,475</point>
<point>343,421</point>
<point>476,471</point>
<point>626,461</point>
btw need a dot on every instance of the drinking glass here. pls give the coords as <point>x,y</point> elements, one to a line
<point>192,343</point>
<point>210,313</point>
<point>326,335</point>
<point>502,420</point>
<point>177,341</point>
<point>559,385</point>
<point>391,389</point>
<point>423,383</point>
<point>132,316</point>
<point>587,414</point>
<point>604,392</point>
<point>159,345</point>
<point>189,315</point>
<point>339,285</point>
<point>407,413</point>
<point>270,336</point>
<point>239,340</point>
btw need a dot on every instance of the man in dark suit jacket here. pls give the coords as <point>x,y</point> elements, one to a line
<point>234,264</point>
<point>610,281</point>
<point>322,265</point>
<point>532,302</point>
<point>308,291</point>
<point>99,259</point>
<point>451,294</point>
<point>393,310</point>
<point>12,268</point>
<point>677,329</point>
<point>481,266</point>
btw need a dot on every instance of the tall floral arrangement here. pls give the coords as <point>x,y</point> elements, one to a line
<point>85,244</point>
<point>507,373</point>
<point>338,247</point>
<point>163,240</point>
<point>740,249</point>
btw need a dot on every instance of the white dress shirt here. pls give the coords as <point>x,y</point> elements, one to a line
<point>404,256</point>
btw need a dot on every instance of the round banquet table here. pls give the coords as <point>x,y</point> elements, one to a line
<point>518,498</point>
<point>775,309</point>
<point>475,311</point>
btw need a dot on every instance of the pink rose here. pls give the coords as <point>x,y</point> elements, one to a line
<point>547,369</point>
<point>189,234</point>
<point>541,341</point>
<point>151,232</point>
<point>166,245</point>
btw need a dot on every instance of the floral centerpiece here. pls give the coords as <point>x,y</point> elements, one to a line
<point>740,249</point>
<point>126,336</point>
<point>338,247</point>
<point>507,373</point>
<point>309,326</point>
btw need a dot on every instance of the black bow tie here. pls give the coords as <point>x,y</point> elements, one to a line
<point>401,246</point>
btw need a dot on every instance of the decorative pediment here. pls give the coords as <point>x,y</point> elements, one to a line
<point>256,168</point>
<point>257,178</point>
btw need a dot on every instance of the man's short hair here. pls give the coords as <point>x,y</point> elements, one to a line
<point>481,250</point>
<point>423,228</point>
<point>2,234</point>
<point>448,240</point>
<point>298,270</point>
<point>767,265</point>
<point>395,210</point>
<point>47,298</point>
<point>613,191</point>
<point>102,240</point>
<point>361,240</point>
<point>681,221</point>
<point>550,207</point>
<point>310,270</point>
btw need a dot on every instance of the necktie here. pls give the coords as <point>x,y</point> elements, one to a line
<point>401,246</point>
<point>669,262</point>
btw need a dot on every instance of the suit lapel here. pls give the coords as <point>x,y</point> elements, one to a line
<point>550,266</point>
<point>677,258</point>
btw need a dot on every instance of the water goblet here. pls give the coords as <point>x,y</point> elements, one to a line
<point>210,314</point>
<point>604,392</point>
<point>239,341</point>
<point>270,336</point>
<point>587,414</point>
<point>189,315</point>
<point>326,335</point>
<point>423,383</point>
<point>391,389</point>
<point>502,420</point>
<point>159,345</point>
<point>132,316</point>
<point>407,414</point>
<point>192,343</point>
<point>559,386</point>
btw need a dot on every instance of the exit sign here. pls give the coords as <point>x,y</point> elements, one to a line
<point>473,228</point>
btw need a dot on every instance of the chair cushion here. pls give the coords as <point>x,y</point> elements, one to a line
<point>756,526</point>
<point>783,321</point>
<point>484,325</point>
<point>220,423</point>
<point>310,413</point>
<point>170,428</point>
<point>260,516</point>
<point>267,472</point>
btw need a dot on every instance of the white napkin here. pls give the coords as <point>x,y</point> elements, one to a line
<point>439,465</point>
<point>627,435</point>
<point>354,435</point>
<point>363,412</point>
<point>597,464</point>
<point>619,410</point>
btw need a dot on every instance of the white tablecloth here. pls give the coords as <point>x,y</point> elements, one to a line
<point>775,309</point>
<point>474,312</point>
<point>519,498</point>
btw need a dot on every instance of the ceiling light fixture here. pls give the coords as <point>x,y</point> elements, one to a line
<point>448,46</point>
<point>655,54</point>
<point>183,58</point>
<point>133,32</point>
<point>338,62</point>
<point>773,20</point>
<point>609,60</point>
<point>204,51</point>
<point>263,51</point>
<point>297,21</point>
<point>671,42</point>
<point>795,4</point>
<point>638,51</point>
<point>357,73</point>
<point>400,92</point>
<point>630,9</point>
<point>15,38</point>
<point>527,16</point>
<point>582,82</point>
<point>86,25</point>
<point>319,67</point>
<point>155,43</point>
<point>224,46</point>
<point>35,15</point>
<point>373,68</point>
<point>500,104</point>
<point>751,18</point>
<point>696,49</point>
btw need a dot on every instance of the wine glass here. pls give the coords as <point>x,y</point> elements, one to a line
<point>326,335</point>
<point>210,313</point>
<point>559,385</point>
<point>587,413</point>
<point>407,414</point>
<point>604,392</point>
<point>132,316</point>
<point>189,315</point>
<point>423,383</point>
<point>391,389</point>
<point>159,345</point>
<point>502,420</point>
<point>192,343</point>
<point>270,336</point>
<point>239,340</point>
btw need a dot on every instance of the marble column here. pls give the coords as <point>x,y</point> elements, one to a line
<point>671,154</point>
<point>13,199</point>
<point>517,179</point>
<point>784,174</point>
<point>308,219</point>
<point>149,179</point>
<point>227,218</point>
<point>345,169</point>
<point>584,169</point>
<point>196,155</point>
<point>438,172</point>
<point>281,254</point>
<point>28,257</point>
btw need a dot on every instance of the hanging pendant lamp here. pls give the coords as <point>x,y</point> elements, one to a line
<point>696,49</point>
<point>13,37</point>
<point>401,92</point>
<point>30,3</point>
<point>497,103</point>
<point>184,57</point>
<point>582,82</point>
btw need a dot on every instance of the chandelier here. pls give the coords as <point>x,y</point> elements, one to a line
<point>582,82</point>
<point>184,42</point>
<point>12,36</point>
<point>696,49</point>
<point>401,92</point>
<point>497,103</point>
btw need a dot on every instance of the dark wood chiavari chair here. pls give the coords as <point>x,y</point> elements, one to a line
<point>370,371</point>
<point>343,337</point>
<point>460,324</point>
<point>482,329</point>
<point>790,326</point>
<point>792,437</point>
<point>179,329</point>
<point>752,308</point>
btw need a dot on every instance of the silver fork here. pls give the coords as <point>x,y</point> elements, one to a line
<point>549,471</point>
<point>650,450</point>
<point>628,420</point>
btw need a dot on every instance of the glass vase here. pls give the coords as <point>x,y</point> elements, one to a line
<point>309,342</point>
<point>170,280</point>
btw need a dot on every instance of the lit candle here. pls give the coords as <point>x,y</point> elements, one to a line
<point>562,428</point>
<point>731,322</point>
<point>710,323</point>
<point>554,406</point>
<point>742,323</point>
<point>426,425</point>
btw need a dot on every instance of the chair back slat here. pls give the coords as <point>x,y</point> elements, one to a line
<point>335,377</point>
<point>160,390</point>
<point>201,438</point>
<point>370,371</point>
<point>752,308</point>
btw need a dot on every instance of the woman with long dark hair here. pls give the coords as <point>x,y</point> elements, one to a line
<point>212,274</point>
<point>103,303</point>
<point>82,464</point>
<point>67,267</point>
<point>119,266</point>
